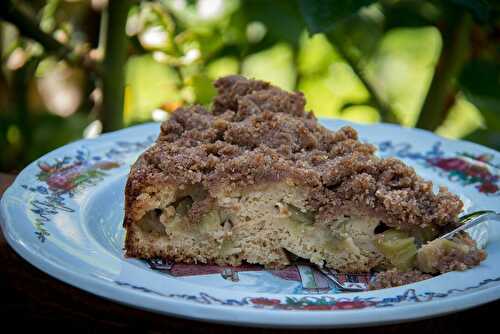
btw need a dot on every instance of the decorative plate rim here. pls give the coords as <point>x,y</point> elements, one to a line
<point>224,313</point>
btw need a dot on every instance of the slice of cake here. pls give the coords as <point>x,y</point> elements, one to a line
<point>257,179</point>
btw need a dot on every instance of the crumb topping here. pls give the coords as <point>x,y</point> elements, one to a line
<point>393,278</point>
<point>258,133</point>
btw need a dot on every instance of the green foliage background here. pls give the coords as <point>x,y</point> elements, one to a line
<point>361,60</point>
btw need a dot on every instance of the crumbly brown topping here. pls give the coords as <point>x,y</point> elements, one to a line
<point>393,278</point>
<point>258,133</point>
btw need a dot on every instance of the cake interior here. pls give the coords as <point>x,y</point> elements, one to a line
<point>269,225</point>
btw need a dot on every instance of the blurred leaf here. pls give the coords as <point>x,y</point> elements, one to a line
<point>489,135</point>
<point>319,96</point>
<point>409,13</point>
<point>221,67</point>
<point>463,119</point>
<point>345,84</point>
<point>481,78</point>
<point>478,8</point>
<point>360,34</point>
<point>47,20</point>
<point>281,18</point>
<point>201,14</point>
<point>480,81</point>
<point>149,84</point>
<point>322,15</point>
<point>203,88</point>
<point>209,44</point>
<point>403,69</point>
<point>327,92</point>
<point>361,114</point>
<point>485,137</point>
<point>44,139</point>
<point>153,25</point>
<point>159,16</point>
<point>274,65</point>
<point>315,54</point>
<point>490,109</point>
<point>234,32</point>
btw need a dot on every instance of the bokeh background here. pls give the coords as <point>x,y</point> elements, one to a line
<point>75,68</point>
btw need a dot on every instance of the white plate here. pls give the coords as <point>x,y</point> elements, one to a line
<point>64,215</point>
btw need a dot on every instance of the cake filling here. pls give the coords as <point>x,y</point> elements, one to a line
<point>275,220</point>
<point>267,224</point>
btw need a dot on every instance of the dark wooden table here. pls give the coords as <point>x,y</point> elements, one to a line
<point>32,299</point>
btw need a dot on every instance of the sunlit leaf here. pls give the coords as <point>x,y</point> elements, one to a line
<point>345,84</point>
<point>403,69</point>
<point>361,114</point>
<point>490,134</point>
<point>274,65</point>
<point>463,119</point>
<point>490,107</point>
<point>326,93</point>
<point>221,67</point>
<point>201,13</point>
<point>203,88</point>
<point>47,20</point>
<point>319,97</point>
<point>149,84</point>
<point>155,38</point>
<point>315,54</point>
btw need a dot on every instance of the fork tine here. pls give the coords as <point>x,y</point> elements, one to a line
<point>472,219</point>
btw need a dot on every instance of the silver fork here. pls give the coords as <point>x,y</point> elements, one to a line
<point>344,287</point>
<point>472,219</point>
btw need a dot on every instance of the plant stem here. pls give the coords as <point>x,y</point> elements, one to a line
<point>18,101</point>
<point>384,109</point>
<point>453,56</point>
<point>115,56</point>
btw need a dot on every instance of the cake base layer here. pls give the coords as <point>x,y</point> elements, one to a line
<point>263,225</point>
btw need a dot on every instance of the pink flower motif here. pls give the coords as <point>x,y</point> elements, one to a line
<point>62,182</point>
<point>488,188</point>
<point>346,305</point>
<point>320,307</point>
<point>478,171</point>
<point>265,301</point>
<point>450,164</point>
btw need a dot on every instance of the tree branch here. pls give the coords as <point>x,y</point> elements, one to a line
<point>385,110</point>
<point>453,56</point>
<point>28,27</point>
